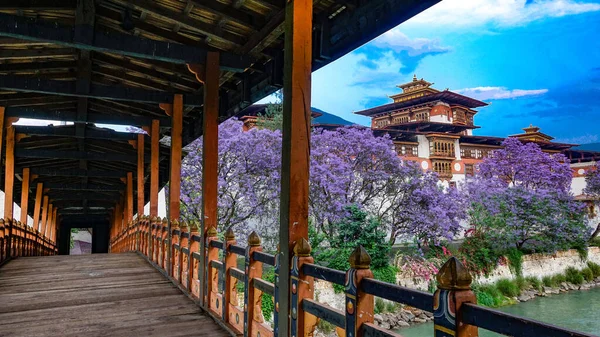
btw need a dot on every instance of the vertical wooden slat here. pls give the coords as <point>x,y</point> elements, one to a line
<point>296,144</point>
<point>9,178</point>
<point>2,109</point>
<point>176,143</point>
<point>129,197</point>
<point>210,153</point>
<point>25,195</point>
<point>154,135</point>
<point>47,220</point>
<point>140,175</point>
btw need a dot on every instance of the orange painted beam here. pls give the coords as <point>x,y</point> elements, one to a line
<point>154,135</point>
<point>176,144</point>
<point>210,141</point>
<point>24,195</point>
<point>1,128</point>
<point>55,224</point>
<point>38,205</point>
<point>44,215</point>
<point>140,175</point>
<point>296,142</point>
<point>9,178</point>
<point>129,197</point>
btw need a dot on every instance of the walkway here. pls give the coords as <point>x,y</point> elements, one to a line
<point>95,295</point>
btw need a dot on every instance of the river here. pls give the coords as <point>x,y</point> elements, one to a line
<point>578,310</point>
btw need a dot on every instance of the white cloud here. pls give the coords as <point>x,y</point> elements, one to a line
<point>491,93</point>
<point>396,40</point>
<point>585,139</point>
<point>464,13</point>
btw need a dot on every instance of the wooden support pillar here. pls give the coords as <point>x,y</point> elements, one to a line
<point>24,195</point>
<point>140,176</point>
<point>9,178</point>
<point>176,144</point>
<point>210,155</point>
<point>44,216</point>
<point>129,198</point>
<point>154,135</point>
<point>1,128</point>
<point>47,224</point>
<point>38,206</point>
<point>296,145</point>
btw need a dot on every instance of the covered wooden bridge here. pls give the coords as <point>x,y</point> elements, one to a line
<point>176,68</point>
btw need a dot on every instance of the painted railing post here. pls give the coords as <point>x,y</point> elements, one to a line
<point>253,316</point>
<point>302,324</point>
<point>182,262</point>
<point>146,235</point>
<point>164,251</point>
<point>2,237</point>
<point>154,239</point>
<point>229,290</point>
<point>276,294</point>
<point>211,276</point>
<point>454,289</point>
<point>194,281</point>
<point>172,265</point>
<point>359,306</point>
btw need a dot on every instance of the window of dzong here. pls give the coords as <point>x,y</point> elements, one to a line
<point>469,169</point>
<point>444,169</point>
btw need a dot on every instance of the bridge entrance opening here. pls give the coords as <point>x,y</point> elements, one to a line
<point>81,241</point>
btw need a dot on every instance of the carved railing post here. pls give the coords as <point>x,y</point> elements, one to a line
<point>454,289</point>
<point>154,239</point>
<point>302,286</point>
<point>360,306</point>
<point>166,246</point>
<point>2,240</point>
<point>175,233</point>
<point>182,262</point>
<point>253,317</point>
<point>194,282</point>
<point>229,290</point>
<point>211,288</point>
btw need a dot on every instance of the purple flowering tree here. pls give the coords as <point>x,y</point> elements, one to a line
<point>249,175</point>
<point>592,188</point>
<point>520,199</point>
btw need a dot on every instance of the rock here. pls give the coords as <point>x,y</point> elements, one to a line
<point>378,318</point>
<point>423,316</point>
<point>402,324</point>
<point>428,314</point>
<point>408,316</point>
<point>419,320</point>
<point>417,312</point>
<point>385,325</point>
<point>524,298</point>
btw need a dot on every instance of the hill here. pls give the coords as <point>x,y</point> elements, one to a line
<point>327,118</point>
<point>588,147</point>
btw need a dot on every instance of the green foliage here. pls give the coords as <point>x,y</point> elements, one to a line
<point>391,307</point>
<point>558,279</point>
<point>522,283</point>
<point>379,305</point>
<point>587,273</point>
<point>485,299</point>
<point>326,327</point>
<point>594,242</point>
<point>573,275</point>
<point>272,119</point>
<point>594,267</point>
<point>508,288</point>
<point>488,295</point>
<point>582,250</point>
<point>548,281</point>
<point>266,299</point>
<point>480,257</point>
<point>386,274</point>
<point>515,257</point>
<point>535,282</point>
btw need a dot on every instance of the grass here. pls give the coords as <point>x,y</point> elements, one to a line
<point>574,276</point>
<point>595,268</point>
<point>508,288</point>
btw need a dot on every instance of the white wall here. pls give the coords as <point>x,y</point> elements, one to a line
<point>16,210</point>
<point>162,204</point>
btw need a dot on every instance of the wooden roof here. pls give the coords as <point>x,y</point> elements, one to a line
<point>115,61</point>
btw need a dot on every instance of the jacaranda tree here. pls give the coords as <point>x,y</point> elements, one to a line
<point>521,199</point>
<point>592,188</point>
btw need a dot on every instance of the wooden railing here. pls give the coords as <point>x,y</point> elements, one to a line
<point>211,279</point>
<point>18,240</point>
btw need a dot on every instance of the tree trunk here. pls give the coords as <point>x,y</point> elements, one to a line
<point>596,232</point>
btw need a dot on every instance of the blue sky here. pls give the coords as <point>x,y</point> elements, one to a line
<point>536,62</point>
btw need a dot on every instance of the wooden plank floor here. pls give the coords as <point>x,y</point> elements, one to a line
<point>95,295</point>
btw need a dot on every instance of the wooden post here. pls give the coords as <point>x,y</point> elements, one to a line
<point>360,306</point>
<point>230,292</point>
<point>454,289</point>
<point>182,262</point>
<point>54,225</point>
<point>253,317</point>
<point>174,255</point>
<point>9,178</point>
<point>164,248</point>
<point>2,109</point>
<point>140,176</point>
<point>211,291</point>
<point>176,143</point>
<point>154,134</point>
<point>303,324</point>
<point>210,155</point>
<point>194,281</point>
<point>24,195</point>
<point>129,197</point>
<point>48,221</point>
<point>118,222</point>
<point>44,216</point>
<point>296,144</point>
<point>38,204</point>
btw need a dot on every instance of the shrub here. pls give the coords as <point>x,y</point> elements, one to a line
<point>485,299</point>
<point>535,283</point>
<point>481,258</point>
<point>267,300</point>
<point>379,305</point>
<point>325,327</point>
<point>515,257</point>
<point>489,295</point>
<point>595,268</point>
<point>391,306</point>
<point>508,288</point>
<point>573,275</point>
<point>587,274</point>
<point>548,281</point>
<point>558,279</point>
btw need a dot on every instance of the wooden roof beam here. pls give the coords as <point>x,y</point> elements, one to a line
<point>71,116</point>
<point>54,131</point>
<point>78,173</point>
<point>113,42</point>
<point>75,155</point>
<point>8,54</point>
<point>38,5</point>
<point>66,88</point>
<point>37,66</point>
<point>63,195</point>
<point>83,187</point>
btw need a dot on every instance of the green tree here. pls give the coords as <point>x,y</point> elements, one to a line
<point>272,119</point>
